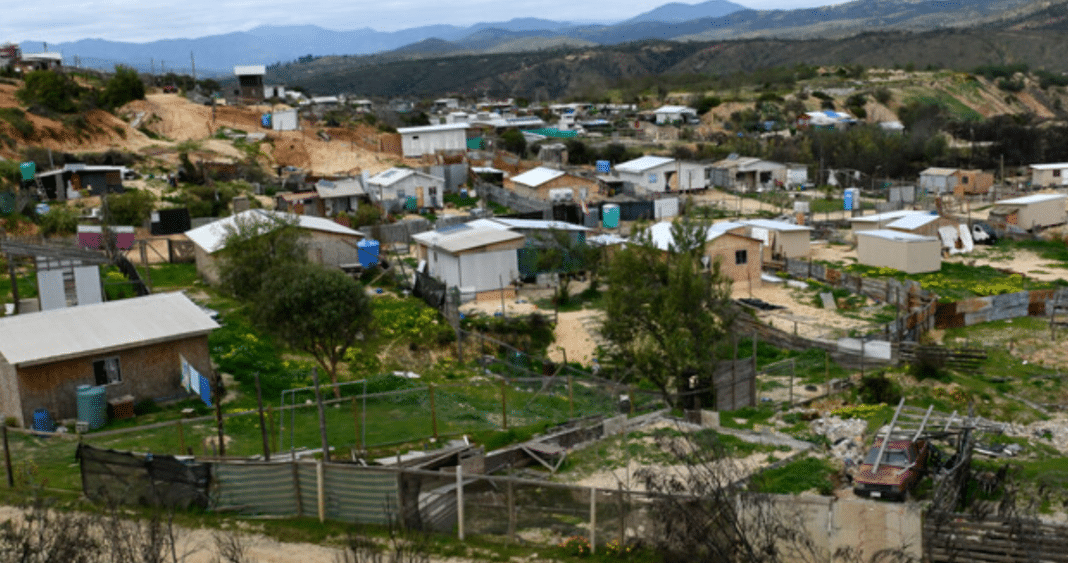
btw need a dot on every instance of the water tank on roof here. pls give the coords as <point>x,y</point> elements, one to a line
<point>611,216</point>
<point>92,406</point>
<point>368,252</point>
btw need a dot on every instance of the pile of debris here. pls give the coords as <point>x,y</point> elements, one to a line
<point>1053,432</point>
<point>846,436</point>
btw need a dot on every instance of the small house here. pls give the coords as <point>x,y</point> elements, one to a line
<point>656,174</point>
<point>1032,211</point>
<point>1049,175</point>
<point>748,174</point>
<point>675,115</point>
<point>938,181</point>
<point>739,256</point>
<point>30,62</point>
<point>340,196</point>
<point>328,243</point>
<point>250,83</point>
<point>299,203</point>
<point>972,182</point>
<point>923,224</point>
<point>880,220</point>
<point>909,253</point>
<point>782,239</point>
<point>393,187</point>
<point>78,180</point>
<point>542,183</point>
<point>825,119</point>
<point>477,260</point>
<point>130,347</point>
<point>428,139</point>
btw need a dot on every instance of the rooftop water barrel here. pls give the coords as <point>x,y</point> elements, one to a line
<point>368,252</point>
<point>611,216</point>
<point>92,406</point>
<point>42,421</point>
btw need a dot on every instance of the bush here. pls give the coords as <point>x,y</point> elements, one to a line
<point>130,208</point>
<point>17,119</point>
<point>52,91</point>
<point>124,87</point>
<point>59,220</point>
<point>877,388</point>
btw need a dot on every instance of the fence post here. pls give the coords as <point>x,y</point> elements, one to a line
<point>322,415</point>
<point>363,414</point>
<point>270,424</point>
<point>622,516</point>
<point>296,487</point>
<point>433,413</point>
<point>460,501</point>
<point>263,422</point>
<point>320,488</point>
<point>218,397</point>
<point>511,506</point>
<point>7,459</point>
<point>593,520</point>
<point>459,345</point>
<point>570,398</point>
<point>504,405</point>
<point>356,419</point>
<point>793,370</point>
<point>827,370</point>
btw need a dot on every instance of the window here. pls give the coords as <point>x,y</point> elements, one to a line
<point>107,371</point>
<point>415,137</point>
<point>652,178</point>
<point>964,180</point>
<point>741,257</point>
<point>1056,173</point>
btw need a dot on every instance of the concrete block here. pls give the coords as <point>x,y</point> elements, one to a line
<point>710,419</point>
<point>614,425</point>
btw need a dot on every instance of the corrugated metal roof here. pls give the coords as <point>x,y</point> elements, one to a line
<point>433,128</point>
<point>675,109</point>
<point>249,70</point>
<point>539,224</point>
<point>212,237</point>
<point>1029,199</point>
<point>885,216</point>
<point>465,239</point>
<point>1054,166</point>
<point>641,164</point>
<point>664,240</point>
<point>895,235</point>
<point>938,172</point>
<point>537,176</point>
<point>913,221</point>
<point>339,188</point>
<point>35,338</point>
<point>775,225</point>
<point>394,175</point>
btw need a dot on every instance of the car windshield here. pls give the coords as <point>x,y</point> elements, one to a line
<point>892,458</point>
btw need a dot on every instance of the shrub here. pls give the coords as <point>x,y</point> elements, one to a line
<point>52,91</point>
<point>124,87</point>
<point>59,221</point>
<point>17,119</point>
<point>877,388</point>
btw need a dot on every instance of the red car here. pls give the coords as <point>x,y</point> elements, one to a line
<point>903,464</point>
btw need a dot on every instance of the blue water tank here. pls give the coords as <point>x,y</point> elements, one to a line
<point>92,406</point>
<point>412,203</point>
<point>28,170</point>
<point>368,252</point>
<point>611,216</point>
<point>265,120</point>
<point>42,421</point>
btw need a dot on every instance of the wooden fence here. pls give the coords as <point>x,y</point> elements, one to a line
<point>960,538</point>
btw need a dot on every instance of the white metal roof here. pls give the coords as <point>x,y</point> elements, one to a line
<point>660,233</point>
<point>675,109</point>
<point>458,240</point>
<point>347,187</point>
<point>249,70</point>
<point>1029,199</point>
<point>212,237</point>
<point>938,172</point>
<point>895,235</point>
<point>885,216</point>
<point>1054,166</point>
<point>394,175</point>
<point>432,128</point>
<point>539,224</point>
<point>537,176</point>
<point>774,225</point>
<point>59,334</point>
<point>913,221</point>
<point>641,164</point>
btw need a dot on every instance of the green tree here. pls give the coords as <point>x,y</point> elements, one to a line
<point>665,313</point>
<point>256,247</point>
<point>60,220</point>
<point>561,252</point>
<point>125,86</point>
<point>514,142</point>
<point>130,208</point>
<point>314,309</point>
<point>50,90</point>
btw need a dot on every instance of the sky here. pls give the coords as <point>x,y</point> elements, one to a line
<point>140,22</point>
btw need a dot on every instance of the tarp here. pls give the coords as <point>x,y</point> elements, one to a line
<point>553,133</point>
<point>146,479</point>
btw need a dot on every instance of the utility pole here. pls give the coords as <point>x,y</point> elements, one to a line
<point>193,61</point>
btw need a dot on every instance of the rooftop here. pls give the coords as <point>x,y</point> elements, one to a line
<point>641,164</point>
<point>250,70</point>
<point>774,225</point>
<point>1053,166</point>
<point>537,176</point>
<point>60,334</point>
<point>212,237</point>
<point>459,238</point>
<point>895,235</point>
<point>1029,199</point>
<point>433,128</point>
<point>394,175</point>
<point>913,221</point>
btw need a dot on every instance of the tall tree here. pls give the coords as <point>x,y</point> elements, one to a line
<point>665,312</point>
<point>256,246</point>
<point>314,309</point>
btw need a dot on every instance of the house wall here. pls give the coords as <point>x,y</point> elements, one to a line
<point>910,257</point>
<point>930,229</point>
<point>652,180</point>
<point>443,266</point>
<point>1054,177</point>
<point>566,181</point>
<point>972,182</point>
<point>148,372</point>
<point>418,144</point>
<point>937,184</point>
<point>332,249</point>
<point>414,185</point>
<point>1042,214</point>
<point>723,249</point>
<point>207,265</point>
<point>10,402</point>
<point>484,271</point>
<point>284,120</point>
<point>793,244</point>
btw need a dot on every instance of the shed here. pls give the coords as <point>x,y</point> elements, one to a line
<point>924,224</point>
<point>284,120</point>
<point>749,174</point>
<point>250,82</point>
<point>328,243</point>
<point>1029,212</point>
<point>77,180</point>
<point>417,141</point>
<point>938,180</point>
<point>740,257</point>
<point>130,346</point>
<point>668,115</point>
<point>1049,175</point>
<point>782,239</point>
<point>972,182</point>
<point>909,253</point>
<point>340,195</point>
<point>541,182</point>
<point>392,187</point>
<point>477,260</point>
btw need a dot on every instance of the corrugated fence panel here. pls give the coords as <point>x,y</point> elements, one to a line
<point>259,489</point>
<point>356,494</point>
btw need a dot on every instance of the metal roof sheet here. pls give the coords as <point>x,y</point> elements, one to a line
<point>1029,199</point>
<point>35,338</point>
<point>895,235</point>
<point>643,163</point>
<point>249,70</point>
<point>885,216</point>
<point>465,239</point>
<point>340,188</point>
<point>938,172</point>
<point>433,128</point>
<point>394,175</point>
<point>539,224</point>
<point>212,237</point>
<point>775,225</point>
<point>913,221</point>
<point>537,176</point>
<point>662,238</point>
<point>1053,166</point>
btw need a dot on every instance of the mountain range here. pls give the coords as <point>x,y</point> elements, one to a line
<point>710,20</point>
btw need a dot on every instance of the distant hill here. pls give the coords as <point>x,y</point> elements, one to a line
<point>679,12</point>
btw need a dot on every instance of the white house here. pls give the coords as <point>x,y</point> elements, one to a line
<point>1029,212</point>
<point>907,252</point>
<point>938,180</point>
<point>782,239</point>
<point>655,174</point>
<point>338,196</point>
<point>1049,175</point>
<point>477,260</point>
<point>667,115</point>
<point>397,184</point>
<point>428,139</point>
